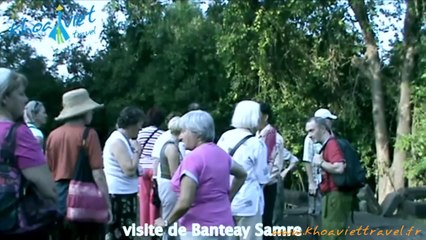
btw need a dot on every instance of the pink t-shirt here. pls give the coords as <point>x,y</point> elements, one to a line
<point>209,166</point>
<point>27,150</point>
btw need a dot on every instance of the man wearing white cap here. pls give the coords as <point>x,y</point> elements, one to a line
<point>314,173</point>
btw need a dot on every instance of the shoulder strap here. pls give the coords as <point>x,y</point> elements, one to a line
<point>128,142</point>
<point>85,135</point>
<point>164,165</point>
<point>150,136</point>
<point>324,144</point>
<point>9,145</point>
<point>241,142</point>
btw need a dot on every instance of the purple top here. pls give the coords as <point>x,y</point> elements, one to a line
<point>27,151</point>
<point>209,166</point>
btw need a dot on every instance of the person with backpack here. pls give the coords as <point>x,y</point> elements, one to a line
<point>27,192</point>
<point>313,172</point>
<point>251,153</point>
<point>337,198</point>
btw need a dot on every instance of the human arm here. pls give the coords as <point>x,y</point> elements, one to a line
<point>127,162</point>
<point>335,160</point>
<point>337,167</point>
<point>260,163</point>
<point>94,151</point>
<point>33,164</point>
<point>188,187</point>
<point>308,155</point>
<point>172,154</point>
<point>240,176</point>
<point>288,156</point>
<point>41,178</point>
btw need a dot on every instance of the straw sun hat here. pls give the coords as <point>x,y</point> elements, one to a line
<point>76,102</point>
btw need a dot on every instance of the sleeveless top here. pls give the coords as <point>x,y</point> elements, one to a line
<point>118,182</point>
<point>164,163</point>
<point>37,133</point>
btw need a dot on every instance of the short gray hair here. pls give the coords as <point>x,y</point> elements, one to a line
<point>200,123</point>
<point>321,122</point>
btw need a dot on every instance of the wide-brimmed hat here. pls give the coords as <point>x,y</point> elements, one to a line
<point>76,102</point>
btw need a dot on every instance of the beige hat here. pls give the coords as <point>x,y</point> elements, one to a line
<point>76,102</point>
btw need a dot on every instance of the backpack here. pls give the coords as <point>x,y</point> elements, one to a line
<point>21,208</point>
<point>11,181</point>
<point>354,176</point>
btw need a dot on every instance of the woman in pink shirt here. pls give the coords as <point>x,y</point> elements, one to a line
<point>202,179</point>
<point>23,167</point>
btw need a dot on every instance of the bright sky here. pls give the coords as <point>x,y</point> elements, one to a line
<point>47,46</point>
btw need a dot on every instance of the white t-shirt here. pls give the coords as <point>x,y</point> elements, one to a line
<point>309,150</point>
<point>252,157</point>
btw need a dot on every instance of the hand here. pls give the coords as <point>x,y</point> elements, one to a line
<point>284,173</point>
<point>312,188</point>
<point>159,222</point>
<point>317,159</point>
<point>110,217</point>
<point>136,146</point>
<point>270,166</point>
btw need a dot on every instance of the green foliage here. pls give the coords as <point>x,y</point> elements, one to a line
<point>295,55</point>
<point>416,142</point>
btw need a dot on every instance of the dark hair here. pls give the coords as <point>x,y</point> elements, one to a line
<point>155,117</point>
<point>267,110</point>
<point>194,106</point>
<point>130,116</point>
<point>321,122</point>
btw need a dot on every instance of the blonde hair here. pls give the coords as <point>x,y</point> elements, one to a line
<point>10,81</point>
<point>174,126</point>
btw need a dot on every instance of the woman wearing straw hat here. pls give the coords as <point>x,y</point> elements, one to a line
<point>29,158</point>
<point>62,149</point>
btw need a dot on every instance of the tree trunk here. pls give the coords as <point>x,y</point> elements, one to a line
<point>373,68</point>
<point>412,27</point>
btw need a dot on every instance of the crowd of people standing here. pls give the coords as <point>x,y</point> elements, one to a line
<point>179,175</point>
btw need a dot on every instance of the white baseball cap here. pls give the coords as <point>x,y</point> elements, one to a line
<point>324,113</point>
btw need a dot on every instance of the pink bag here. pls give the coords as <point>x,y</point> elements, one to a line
<point>85,202</point>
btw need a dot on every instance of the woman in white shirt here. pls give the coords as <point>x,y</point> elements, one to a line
<point>35,116</point>
<point>121,157</point>
<point>247,206</point>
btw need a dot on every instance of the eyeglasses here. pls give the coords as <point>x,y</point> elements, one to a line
<point>37,107</point>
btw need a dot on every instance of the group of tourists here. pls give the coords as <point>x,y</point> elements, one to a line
<point>68,186</point>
